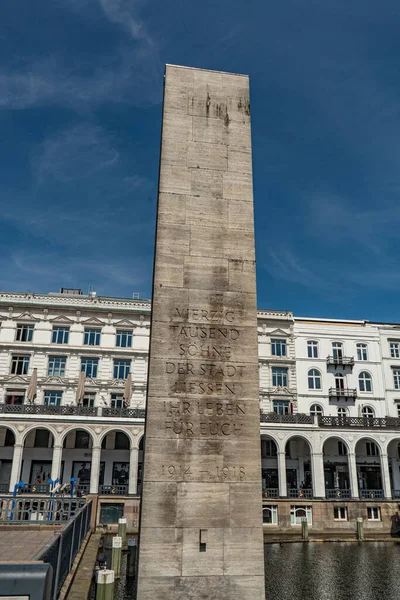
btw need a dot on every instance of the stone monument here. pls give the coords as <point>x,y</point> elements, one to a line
<point>201,520</point>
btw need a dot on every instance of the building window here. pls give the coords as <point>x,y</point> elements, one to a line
<point>314,379</point>
<point>82,439</point>
<point>88,399</point>
<point>312,349</point>
<point>92,337</point>
<point>365,382</point>
<point>340,513</point>
<point>279,377</point>
<point>316,410</point>
<point>278,347</point>
<point>368,412</point>
<point>124,339</point>
<point>373,513</point>
<point>89,366</point>
<point>394,350</point>
<point>9,439</point>
<point>52,398</point>
<point>268,448</point>
<point>281,407</point>
<point>270,514</point>
<point>121,441</point>
<point>362,352</point>
<point>341,412</point>
<point>57,366</point>
<point>339,381</point>
<point>297,513</point>
<point>342,449</point>
<point>42,438</point>
<point>121,368</point>
<point>372,449</point>
<point>60,335</point>
<point>117,401</point>
<point>398,409</point>
<point>337,350</point>
<point>24,332</point>
<point>396,378</point>
<point>20,365</point>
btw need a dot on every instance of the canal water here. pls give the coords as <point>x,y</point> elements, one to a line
<point>319,571</point>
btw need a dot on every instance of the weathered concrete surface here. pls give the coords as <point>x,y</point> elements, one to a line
<point>22,544</point>
<point>201,527</point>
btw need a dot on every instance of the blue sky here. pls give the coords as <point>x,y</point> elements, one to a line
<point>80,114</point>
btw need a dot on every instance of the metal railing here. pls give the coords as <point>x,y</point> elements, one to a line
<point>296,493</point>
<point>396,494</point>
<point>366,422</point>
<point>133,413</point>
<point>275,418</point>
<point>342,393</point>
<point>371,494</point>
<point>344,361</point>
<point>82,488</point>
<point>62,550</point>
<point>337,494</point>
<point>34,488</point>
<point>271,493</point>
<point>44,409</point>
<point>113,490</point>
<point>52,511</point>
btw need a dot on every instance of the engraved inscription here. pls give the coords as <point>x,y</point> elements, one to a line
<point>214,375</point>
<point>187,473</point>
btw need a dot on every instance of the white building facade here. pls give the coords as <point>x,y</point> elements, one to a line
<point>329,399</point>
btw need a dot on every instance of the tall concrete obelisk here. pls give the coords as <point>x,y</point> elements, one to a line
<point>201,527</point>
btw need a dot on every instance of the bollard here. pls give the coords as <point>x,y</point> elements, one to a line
<point>104,585</point>
<point>116,556</point>
<point>131,560</point>
<point>360,529</point>
<point>122,530</point>
<point>304,528</point>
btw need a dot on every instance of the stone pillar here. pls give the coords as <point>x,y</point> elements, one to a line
<point>16,465</point>
<point>351,457</point>
<point>387,488</point>
<point>133,471</point>
<point>56,463</point>
<point>318,477</point>
<point>201,531</point>
<point>300,473</point>
<point>95,470</point>
<point>282,474</point>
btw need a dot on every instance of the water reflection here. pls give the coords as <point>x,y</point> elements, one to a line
<point>333,571</point>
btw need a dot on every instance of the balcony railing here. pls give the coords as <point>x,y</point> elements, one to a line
<point>44,409</point>
<point>295,493</point>
<point>35,488</point>
<point>113,490</point>
<point>83,411</point>
<point>365,422</point>
<point>133,413</point>
<point>275,418</point>
<point>371,494</point>
<point>343,393</point>
<point>344,361</point>
<point>337,494</point>
<point>396,494</point>
<point>271,493</point>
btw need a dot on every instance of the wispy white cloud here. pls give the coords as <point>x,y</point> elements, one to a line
<point>130,72</point>
<point>75,153</point>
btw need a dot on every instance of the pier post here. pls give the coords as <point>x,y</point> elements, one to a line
<point>360,529</point>
<point>304,528</point>
<point>105,585</point>
<point>116,556</point>
<point>131,560</point>
<point>122,530</point>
